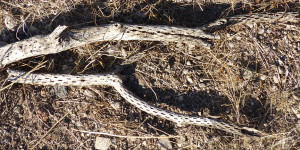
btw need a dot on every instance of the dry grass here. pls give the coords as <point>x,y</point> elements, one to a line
<point>250,77</point>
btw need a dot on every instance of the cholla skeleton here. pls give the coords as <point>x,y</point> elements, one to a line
<point>116,82</point>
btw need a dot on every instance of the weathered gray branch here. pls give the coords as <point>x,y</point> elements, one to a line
<point>55,42</point>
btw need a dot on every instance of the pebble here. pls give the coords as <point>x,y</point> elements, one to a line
<point>247,74</point>
<point>250,25</point>
<point>165,143</point>
<point>190,80</point>
<point>231,45</point>
<point>10,22</point>
<point>60,91</point>
<point>102,143</point>
<point>228,35</point>
<point>188,63</point>
<point>202,85</point>
<point>238,38</point>
<point>144,143</point>
<point>263,77</point>
<point>115,105</point>
<point>261,31</point>
<point>185,71</point>
<point>230,63</point>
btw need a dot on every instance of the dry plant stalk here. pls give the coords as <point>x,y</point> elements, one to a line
<point>55,42</point>
<point>116,82</point>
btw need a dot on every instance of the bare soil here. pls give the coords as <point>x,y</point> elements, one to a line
<point>250,78</point>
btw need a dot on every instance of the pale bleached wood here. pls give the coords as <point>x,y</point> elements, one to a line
<point>55,42</point>
<point>115,81</point>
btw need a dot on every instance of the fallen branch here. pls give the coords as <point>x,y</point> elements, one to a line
<point>55,42</point>
<point>116,82</point>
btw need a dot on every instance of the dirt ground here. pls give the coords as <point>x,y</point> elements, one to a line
<point>250,77</point>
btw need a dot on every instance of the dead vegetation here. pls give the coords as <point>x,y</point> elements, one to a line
<point>250,77</point>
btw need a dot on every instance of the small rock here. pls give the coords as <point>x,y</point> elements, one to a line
<point>102,143</point>
<point>250,24</point>
<point>10,22</point>
<point>190,80</point>
<point>188,63</point>
<point>60,91</point>
<point>263,77</point>
<point>144,143</point>
<point>230,63</point>
<point>247,74</point>
<point>228,35</point>
<point>192,46</point>
<point>202,85</point>
<point>78,124</point>
<point>165,143</point>
<point>185,71</point>
<point>115,105</point>
<point>260,31</point>
<point>231,45</point>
